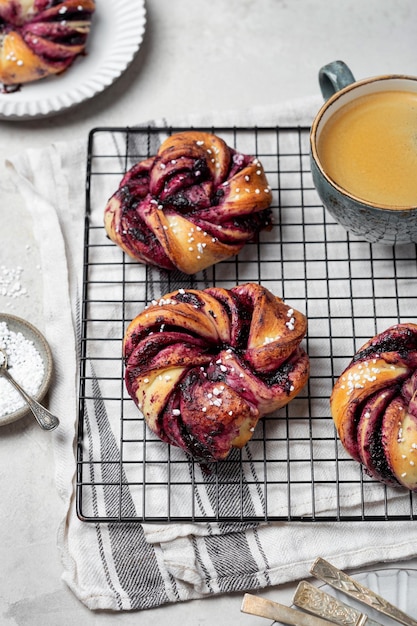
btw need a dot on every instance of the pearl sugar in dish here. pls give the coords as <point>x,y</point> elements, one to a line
<point>29,362</point>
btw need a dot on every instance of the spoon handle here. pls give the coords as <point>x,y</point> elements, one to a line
<point>45,419</point>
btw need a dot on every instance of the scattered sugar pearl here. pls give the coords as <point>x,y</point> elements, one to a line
<point>25,365</point>
<point>176,412</point>
<point>291,324</point>
<point>10,282</point>
<point>269,340</point>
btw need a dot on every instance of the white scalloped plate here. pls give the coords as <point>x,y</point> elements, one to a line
<point>116,34</point>
<point>398,586</point>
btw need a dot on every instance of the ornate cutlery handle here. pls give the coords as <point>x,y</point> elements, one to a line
<point>263,607</point>
<point>320,603</point>
<point>334,577</point>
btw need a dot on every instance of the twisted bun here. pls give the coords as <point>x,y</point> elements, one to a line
<point>205,366</point>
<point>41,37</point>
<point>374,406</point>
<point>192,205</point>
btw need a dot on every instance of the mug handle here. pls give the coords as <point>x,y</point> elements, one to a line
<point>333,77</point>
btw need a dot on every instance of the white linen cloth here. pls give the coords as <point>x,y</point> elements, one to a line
<point>130,566</point>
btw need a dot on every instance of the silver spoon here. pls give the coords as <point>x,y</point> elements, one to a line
<point>45,419</point>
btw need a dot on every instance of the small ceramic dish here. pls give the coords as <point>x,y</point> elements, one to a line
<point>16,325</point>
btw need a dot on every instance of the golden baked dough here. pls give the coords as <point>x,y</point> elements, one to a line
<point>41,37</point>
<point>204,366</point>
<point>195,203</point>
<point>373,404</point>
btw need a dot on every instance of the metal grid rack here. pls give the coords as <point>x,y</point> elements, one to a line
<point>294,468</point>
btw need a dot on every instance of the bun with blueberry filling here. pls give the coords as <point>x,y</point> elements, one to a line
<point>195,203</point>
<point>374,406</point>
<point>39,38</point>
<point>203,366</point>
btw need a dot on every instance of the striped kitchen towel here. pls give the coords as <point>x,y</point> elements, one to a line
<point>122,566</point>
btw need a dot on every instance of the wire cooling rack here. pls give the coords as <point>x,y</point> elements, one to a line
<point>294,468</point>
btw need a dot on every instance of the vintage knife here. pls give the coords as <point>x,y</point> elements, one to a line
<point>334,577</point>
<point>322,604</point>
<point>254,605</point>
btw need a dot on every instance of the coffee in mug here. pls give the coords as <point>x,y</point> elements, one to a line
<point>369,147</point>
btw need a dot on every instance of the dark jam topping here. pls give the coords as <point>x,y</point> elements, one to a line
<point>180,202</point>
<point>280,377</point>
<point>189,298</point>
<point>378,457</point>
<point>186,385</point>
<point>138,234</point>
<point>217,197</point>
<point>401,343</point>
<point>243,336</point>
<point>70,39</point>
<point>196,449</point>
<point>245,316</point>
<point>259,220</point>
<point>201,169</point>
<point>71,14</point>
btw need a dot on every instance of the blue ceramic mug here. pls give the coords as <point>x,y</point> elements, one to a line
<point>371,221</point>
